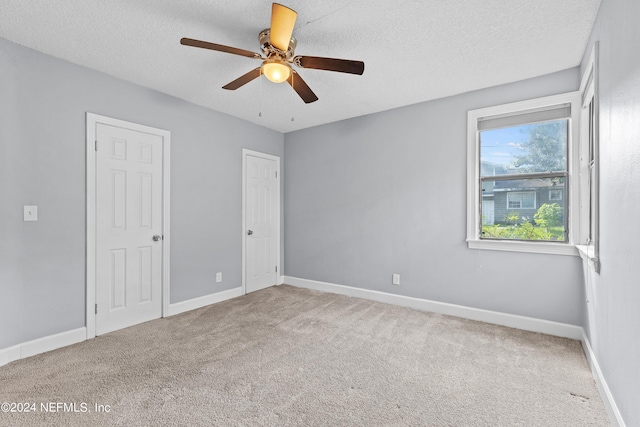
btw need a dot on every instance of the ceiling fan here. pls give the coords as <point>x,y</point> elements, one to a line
<point>278,47</point>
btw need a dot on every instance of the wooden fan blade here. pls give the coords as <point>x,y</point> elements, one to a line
<point>299,85</point>
<point>282,21</point>
<point>219,47</point>
<point>243,80</point>
<point>330,64</point>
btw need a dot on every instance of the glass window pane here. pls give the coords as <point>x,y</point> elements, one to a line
<point>531,148</point>
<point>521,200</point>
<point>555,195</point>
<point>524,209</point>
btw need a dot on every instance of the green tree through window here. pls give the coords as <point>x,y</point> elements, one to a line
<point>545,149</point>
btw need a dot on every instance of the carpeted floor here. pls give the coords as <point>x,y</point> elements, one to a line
<point>290,356</point>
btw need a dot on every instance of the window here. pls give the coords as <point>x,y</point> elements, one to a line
<point>591,165</point>
<point>523,157</point>
<point>521,200</point>
<point>530,150</point>
<point>555,195</point>
<point>589,162</point>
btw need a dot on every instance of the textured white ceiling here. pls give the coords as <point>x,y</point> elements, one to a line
<point>414,50</point>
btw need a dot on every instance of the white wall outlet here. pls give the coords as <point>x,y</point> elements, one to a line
<point>30,213</point>
<point>218,277</point>
<point>396,279</point>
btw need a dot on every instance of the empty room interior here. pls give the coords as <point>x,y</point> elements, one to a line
<point>423,213</point>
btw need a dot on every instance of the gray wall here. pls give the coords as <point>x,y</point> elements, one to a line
<point>613,312</point>
<point>43,102</point>
<point>386,193</point>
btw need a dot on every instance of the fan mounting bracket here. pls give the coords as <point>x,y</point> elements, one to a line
<point>271,51</point>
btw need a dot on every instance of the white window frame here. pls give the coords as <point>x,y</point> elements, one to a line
<point>589,246</point>
<point>512,193</point>
<point>573,166</point>
<point>554,199</point>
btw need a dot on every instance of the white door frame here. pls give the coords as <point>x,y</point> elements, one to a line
<point>245,153</point>
<point>92,121</point>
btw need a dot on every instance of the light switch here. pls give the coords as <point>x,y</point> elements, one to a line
<point>30,213</point>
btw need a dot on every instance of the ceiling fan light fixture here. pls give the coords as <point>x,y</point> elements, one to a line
<point>277,72</point>
<point>278,52</point>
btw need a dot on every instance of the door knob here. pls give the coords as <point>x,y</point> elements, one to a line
<point>157,238</point>
<point>250,232</point>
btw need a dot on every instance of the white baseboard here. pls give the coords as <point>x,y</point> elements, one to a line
<point>41,345</point>
<point>192,304</point>
<point>607,398</point>
<point>497,318</point>
<point>280,280</point>
<point>9,354</point>
<point>51,342</point>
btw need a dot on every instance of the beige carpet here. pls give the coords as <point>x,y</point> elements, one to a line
<point>289,356</point>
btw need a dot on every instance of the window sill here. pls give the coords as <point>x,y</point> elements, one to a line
<point>531,247</point>
<point>587,253</point>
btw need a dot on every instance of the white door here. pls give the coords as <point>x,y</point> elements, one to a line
<point>129,227</point>
<point>487,212</point>
<point>261,221</point>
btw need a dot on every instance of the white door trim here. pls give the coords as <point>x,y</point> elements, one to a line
<point>245,153</point>
<point>92,122</point>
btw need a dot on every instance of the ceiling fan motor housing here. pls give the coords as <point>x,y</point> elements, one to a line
<point>273,52</point>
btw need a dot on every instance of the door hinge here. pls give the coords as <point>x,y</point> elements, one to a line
<point>96,308</point>
<point>96,145</point>
<point>276,268</point>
